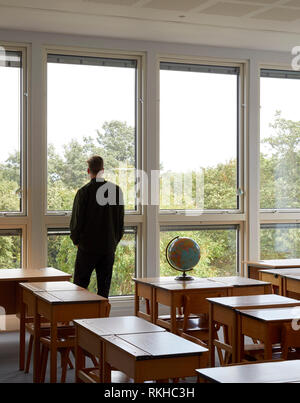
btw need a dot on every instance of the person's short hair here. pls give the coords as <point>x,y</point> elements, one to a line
<point>95,164</point>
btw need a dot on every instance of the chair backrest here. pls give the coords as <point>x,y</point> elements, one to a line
<point>196,304</point>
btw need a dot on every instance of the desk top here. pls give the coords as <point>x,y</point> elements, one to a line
<point>282,272</point>
<point>145,346</point>
<point>254,301</point>
<point>292,276</point>
<point>68,297</point>
<point>51,286</point>
<point>165,280</point>
<point>170,282</point>
<point>238,281</point>
<point>275,264</point>
<point>118,325</point>
<point>273,314</point>
<point>267,372</point>
<point>28,274</point>
<point>192,285</point>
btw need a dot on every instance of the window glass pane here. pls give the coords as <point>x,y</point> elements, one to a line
<point>91,110</point>
<point>280,140</point>
<point>11,88</point>
<point>280,241</point>
<point>62,255</point>
<point>198,137</point>
<point>218,246</point>
<point>10,249</point>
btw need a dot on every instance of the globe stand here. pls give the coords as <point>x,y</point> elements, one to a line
<point>184,277</point>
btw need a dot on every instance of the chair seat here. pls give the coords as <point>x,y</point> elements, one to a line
<point>195,324</point>
<point>61,342</point>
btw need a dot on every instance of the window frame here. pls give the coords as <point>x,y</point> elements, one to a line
<point>24,128</point>
<point>138,250</point>
<point>23,230</point>
<point>240,135</point>
<point>139,111</point>
<point>275,216</point>
<point>132,218</point>
<point>211,226</point>
<point>283,224</point>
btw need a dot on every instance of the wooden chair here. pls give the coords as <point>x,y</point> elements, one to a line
<point>45,331</point>
<point>65,345</point>
<point>195,321</point>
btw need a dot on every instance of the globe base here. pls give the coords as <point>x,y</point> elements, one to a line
<point>184,277</point>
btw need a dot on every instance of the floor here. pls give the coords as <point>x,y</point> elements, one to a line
<point>9,364</point>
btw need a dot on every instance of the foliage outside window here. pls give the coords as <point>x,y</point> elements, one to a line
<point>199,128</point>
<point>91,110</point>
<point>10,248</point>
<point>11,130</point>
<point>62,255</point>
<point>218,245</point>
<point>280,140</point>
<point>280,241</point>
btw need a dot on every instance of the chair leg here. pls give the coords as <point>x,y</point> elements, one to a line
<point>71,366</point>
<point>29,353</point>
<point>64,352</point>
<point>44,361</point>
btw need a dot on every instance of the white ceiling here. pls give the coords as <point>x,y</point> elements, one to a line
<point>256,24</point>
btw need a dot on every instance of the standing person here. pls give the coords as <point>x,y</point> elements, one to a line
<point>97,226</point>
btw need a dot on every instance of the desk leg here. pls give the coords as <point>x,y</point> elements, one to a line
<point>211,336</point>
<point>53,352</point>
<point>136,300</point>
<point>106,368</point>
<point>22,336</point>
<point>267,344</point>
<point>79,358</point>
<point>240,339</point>
<point>36,354</point>
<point>154,308</point>
<point>234,340</point>
<point>173,317</point>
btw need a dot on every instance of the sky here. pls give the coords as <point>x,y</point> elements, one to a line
<point>197,110</point>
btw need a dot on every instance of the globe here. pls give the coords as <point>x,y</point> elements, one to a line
<point>183,254</point>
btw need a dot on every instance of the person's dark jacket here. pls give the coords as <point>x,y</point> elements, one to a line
<point>97,228</point>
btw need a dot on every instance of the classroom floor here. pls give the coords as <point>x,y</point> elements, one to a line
<point>9,364</point>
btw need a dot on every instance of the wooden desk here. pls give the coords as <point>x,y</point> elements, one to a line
<point>253,267</point>
<point>266,372</point>
<point>89,334</point>
<point>224,311</point>
<point>62,306</point>
<point>264,325</point>
<point>291,284</point>
<point>10,278</point>
<point>171,295</point>
<point>168,291</point>
<point>275,277</point>
<point>147,352</point>
<point>28,305</point>
<point>144,289</point>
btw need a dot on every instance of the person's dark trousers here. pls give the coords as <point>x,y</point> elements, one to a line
<point>86,263</point>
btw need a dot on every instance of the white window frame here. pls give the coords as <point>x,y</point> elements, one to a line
<point>136,218</point>
<point>277,216</point>
<point>25,100</point>
<point>210,217</point>
<point>21,220</point>
<point>240,134</point>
